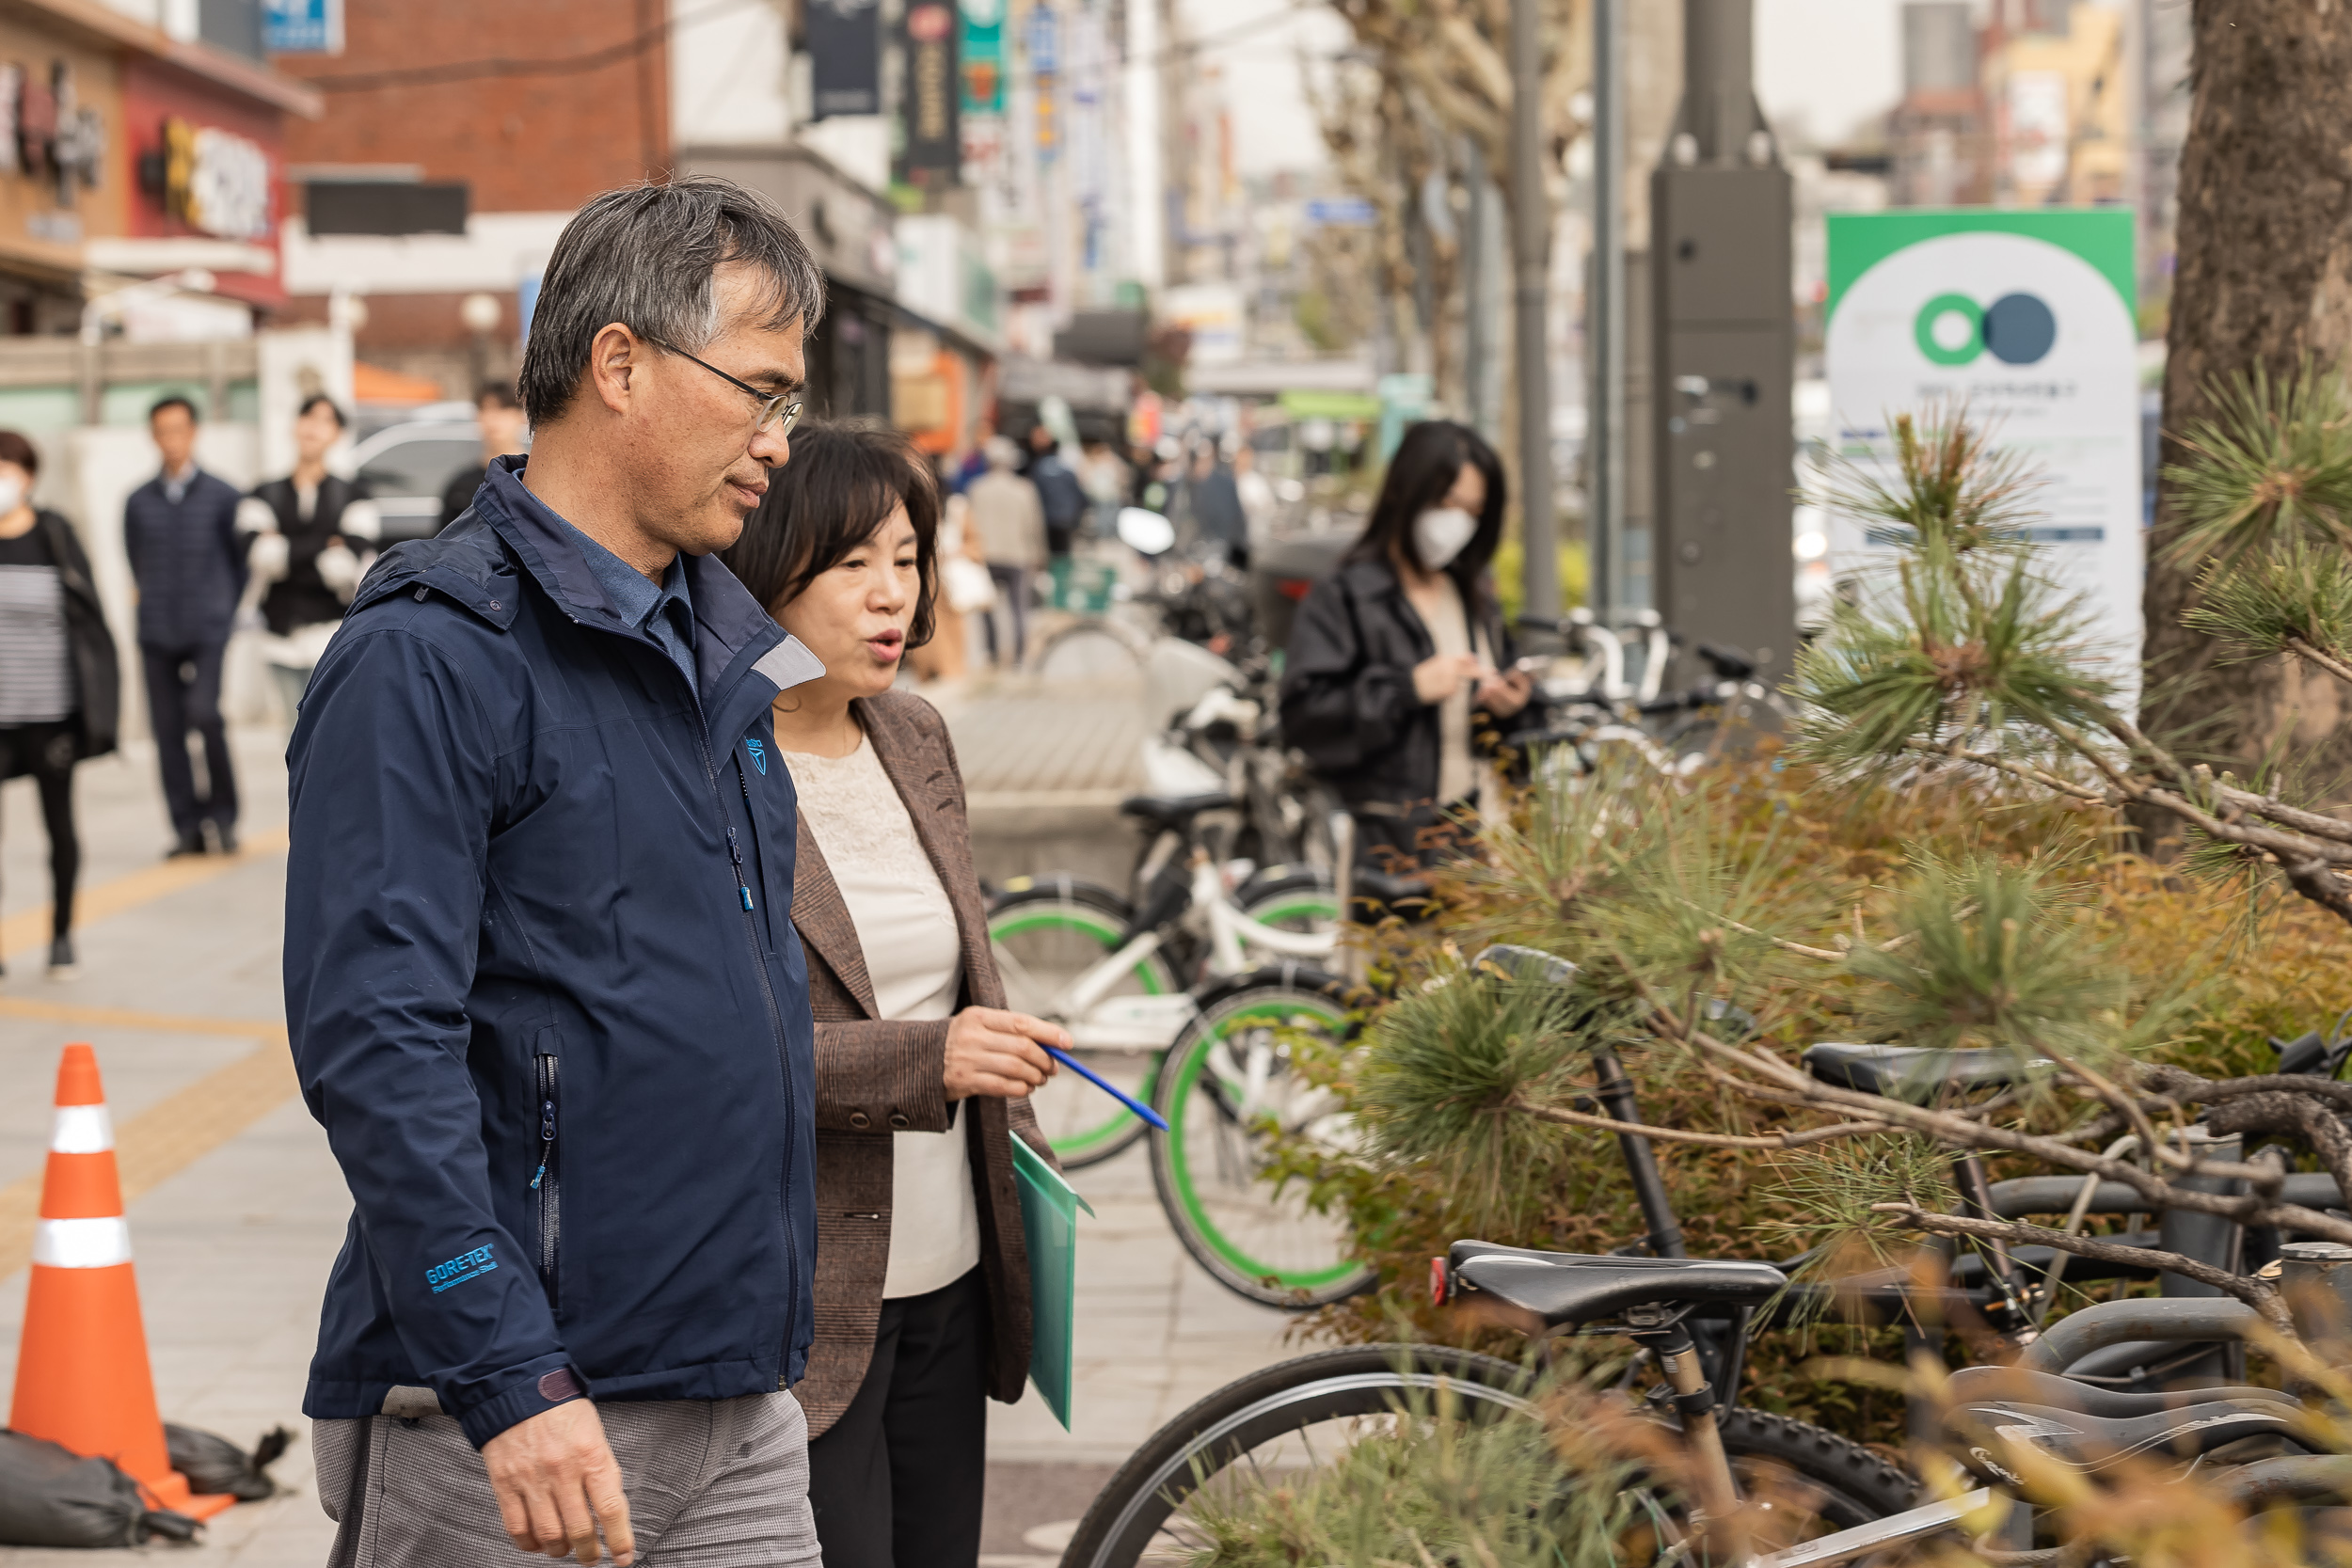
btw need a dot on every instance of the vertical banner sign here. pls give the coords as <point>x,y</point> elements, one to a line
<point>983,56</point>
<point>845,57</point>
<point>2025,319</point>
<point>1045,79</point>
<point>933,146</point>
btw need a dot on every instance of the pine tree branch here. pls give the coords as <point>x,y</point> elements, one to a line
<point>2334,666</point>
<point>2252,1291</point>
<point>1710,1140</point>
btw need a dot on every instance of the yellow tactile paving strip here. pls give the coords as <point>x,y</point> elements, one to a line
<point>174,1134</point>
<point>171,1134</point>
<point>29,931</point>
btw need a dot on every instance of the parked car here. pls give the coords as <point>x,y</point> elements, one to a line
<point>405,466</point>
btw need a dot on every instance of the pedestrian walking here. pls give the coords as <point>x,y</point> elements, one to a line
<point>311,536</point>
<point>542,982</point>
<point>1011,521</point>
<point>179,530</point>
<point>59,688</point>
<point>1400,674</point>
<point>1057,490</point>
<point>922,1076</point>
<point>1214,504</point>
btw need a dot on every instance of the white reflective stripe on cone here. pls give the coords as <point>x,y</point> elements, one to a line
<point>83,1243</point>
<point>82,1130</point>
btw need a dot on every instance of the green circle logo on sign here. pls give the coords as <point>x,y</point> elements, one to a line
<point>2017,330</point>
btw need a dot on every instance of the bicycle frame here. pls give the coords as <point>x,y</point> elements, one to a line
<point>1098,1020</point>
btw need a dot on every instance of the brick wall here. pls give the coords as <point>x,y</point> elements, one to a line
<point>544,140</point>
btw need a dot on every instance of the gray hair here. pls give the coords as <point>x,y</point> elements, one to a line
<point>644,256</point>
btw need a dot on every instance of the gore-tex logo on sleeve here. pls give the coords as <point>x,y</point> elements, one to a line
<point>469,1265</point>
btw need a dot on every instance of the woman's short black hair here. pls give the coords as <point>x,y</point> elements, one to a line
<point>314,400</point>
<point>1427,462</point>
<point>17,450</point>
<point>842,480</point>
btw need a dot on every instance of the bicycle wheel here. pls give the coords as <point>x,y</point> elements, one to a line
<point>1086,650</point>
<point>1282,1419</point>
<point>1225,1090</point>
<point>1292,899</point>
<point>1045,934</point>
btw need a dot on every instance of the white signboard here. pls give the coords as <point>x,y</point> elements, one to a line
<point>2026,320</point>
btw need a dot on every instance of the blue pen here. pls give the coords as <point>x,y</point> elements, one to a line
<point>1137,1106</point>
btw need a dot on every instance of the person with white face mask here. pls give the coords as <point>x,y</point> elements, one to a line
<point>1400,675</point>
<point>59,681</point>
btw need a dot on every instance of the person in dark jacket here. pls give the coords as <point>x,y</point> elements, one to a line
<point>179,530</point>
<point>498,410</point>
<point>310,535</point>
<point>58,686</point>
<point>1057,490</point>
<point>1399,659</point>
<point>542,982</point>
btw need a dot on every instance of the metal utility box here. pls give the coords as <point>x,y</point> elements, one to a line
<point>1724,346</point>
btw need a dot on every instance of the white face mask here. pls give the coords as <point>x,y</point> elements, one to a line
<point>1442,533</point>
<point>11,493</point>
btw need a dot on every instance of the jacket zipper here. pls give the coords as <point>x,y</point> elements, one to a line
<point>547,1180</point>
<point>776,1024</point>
<point>759,963</point>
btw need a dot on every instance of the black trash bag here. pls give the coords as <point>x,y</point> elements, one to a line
<point>52,1497</point>
<point>214,1463</point>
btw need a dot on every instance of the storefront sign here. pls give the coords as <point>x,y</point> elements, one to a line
<point>2024,319</point>
<point>845,56</point>
<point>1045,80</point>
<point>932,146</point>
<point>214,181</point>
<point>302,26</point>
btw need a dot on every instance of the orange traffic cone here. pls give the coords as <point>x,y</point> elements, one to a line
<point>82,1379</point>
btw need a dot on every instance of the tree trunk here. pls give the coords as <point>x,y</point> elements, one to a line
<point>2264,279</point>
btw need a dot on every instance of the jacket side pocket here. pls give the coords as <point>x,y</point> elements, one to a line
<point>547,1182</point>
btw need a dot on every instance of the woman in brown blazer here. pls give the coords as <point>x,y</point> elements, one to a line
<point>922,1077</point>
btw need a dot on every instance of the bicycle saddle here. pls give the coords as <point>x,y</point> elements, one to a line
<point>1908,1072</point>
<point>1174,812</point>
<point>1561,1287</point>
<point>2090,1443</point>
<point>1992,1385</point>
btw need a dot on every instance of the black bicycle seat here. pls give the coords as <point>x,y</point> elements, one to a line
<point>1908,1072</point>
<point>2094,1443</point>
<point>1560,1287</point>
<point>1174,812</point>
<point>1991,1386</point>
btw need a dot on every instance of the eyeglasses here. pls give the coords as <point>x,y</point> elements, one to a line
<point>773,405</point>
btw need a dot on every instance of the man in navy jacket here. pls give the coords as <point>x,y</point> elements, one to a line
<point>541,974</point>
<point>179,530</point>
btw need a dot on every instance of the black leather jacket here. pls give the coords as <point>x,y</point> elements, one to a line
<point>96,674</point>
<point>1348,702</point>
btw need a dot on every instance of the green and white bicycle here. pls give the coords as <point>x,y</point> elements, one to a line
<point>1195,1005</point>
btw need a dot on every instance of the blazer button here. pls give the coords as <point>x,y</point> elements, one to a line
<point>898,1120</point>
<point>860,1120</point>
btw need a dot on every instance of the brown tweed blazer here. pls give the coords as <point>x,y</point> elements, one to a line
<point>875,1077</point>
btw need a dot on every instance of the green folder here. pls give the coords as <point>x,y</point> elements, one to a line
<point>1049,1214</point>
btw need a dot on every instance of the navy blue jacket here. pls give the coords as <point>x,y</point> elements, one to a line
<point>560,1044</point>
<point>188,560</point>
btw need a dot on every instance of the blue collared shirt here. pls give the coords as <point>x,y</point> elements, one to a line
<point>665,613</point>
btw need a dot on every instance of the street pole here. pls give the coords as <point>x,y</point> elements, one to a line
<point>1531,236</point>
<point>1604,323</point>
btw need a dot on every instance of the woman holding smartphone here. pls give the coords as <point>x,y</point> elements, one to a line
<point>1400,675</point>
<point>922,1076</point>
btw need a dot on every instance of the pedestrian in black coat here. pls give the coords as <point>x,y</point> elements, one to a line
<point>1400,674</point>
<point>59,685</point>
<point>179,530</point>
